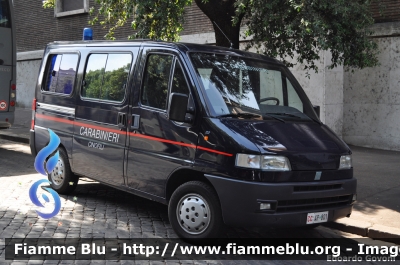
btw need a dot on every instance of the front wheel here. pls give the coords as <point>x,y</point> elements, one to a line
<point>62,179</point>
<point>194,211</point>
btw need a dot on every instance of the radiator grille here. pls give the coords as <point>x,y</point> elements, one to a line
<point>313,204</point>
<point>317,187</point>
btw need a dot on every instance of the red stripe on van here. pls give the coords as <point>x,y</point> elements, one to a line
<point>161,140</point>
<point>214,151</point>
<point>41,116</point>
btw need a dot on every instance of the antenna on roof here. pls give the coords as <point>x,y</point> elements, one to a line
<point>224,34</point>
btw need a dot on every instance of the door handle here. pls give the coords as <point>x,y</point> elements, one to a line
<point>121,121</point>
<point>135,121</point>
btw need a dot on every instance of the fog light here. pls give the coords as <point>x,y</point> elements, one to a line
<point>354,197</point>
<point>265,206</point>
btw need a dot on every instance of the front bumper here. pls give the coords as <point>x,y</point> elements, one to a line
<point>240,201</point>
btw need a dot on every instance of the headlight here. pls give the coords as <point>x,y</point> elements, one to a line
<point>249,161</point>
<point>280,163</point>
<point>345,162</point>
<point>269,163</point>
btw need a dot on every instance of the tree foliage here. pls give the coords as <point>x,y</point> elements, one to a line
<point>285,29</point>
<point>154,19</point>
<point>49,3</point>
<point>305,27</point>
<point>100,84</point>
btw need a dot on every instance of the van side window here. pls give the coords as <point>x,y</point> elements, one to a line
<point>5,14</point>
<point>94,76</point>
<point>179,84</point>
<point>156,79</point>
<point>106,76</point>
<point>61,73</point>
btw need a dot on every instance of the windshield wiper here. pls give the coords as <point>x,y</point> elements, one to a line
<point>294,116</point>
<point>285,114</point>
<point>240,115</point>
<point>248,115</point>
<point>275,118</point>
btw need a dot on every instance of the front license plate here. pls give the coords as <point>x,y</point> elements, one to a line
<point>321,217</point>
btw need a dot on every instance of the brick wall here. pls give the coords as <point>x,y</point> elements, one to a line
<point>386,10</point>
<point>36,26</point>
<point>195,21</point>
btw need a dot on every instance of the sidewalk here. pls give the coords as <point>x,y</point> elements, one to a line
<point>376,213</point>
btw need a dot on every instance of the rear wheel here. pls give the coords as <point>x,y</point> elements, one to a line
<point>62,179</point>
<point>194,211</point>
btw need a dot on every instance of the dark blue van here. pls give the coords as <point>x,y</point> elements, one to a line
<point>221,136</point>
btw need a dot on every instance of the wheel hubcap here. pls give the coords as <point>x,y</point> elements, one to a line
<point>58,173</point>
<point>193,214</point>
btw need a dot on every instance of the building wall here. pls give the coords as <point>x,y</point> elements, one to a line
<point>385,10</point>
<point>372,96</point>
<point>36,26</point>
<point>28,65</point>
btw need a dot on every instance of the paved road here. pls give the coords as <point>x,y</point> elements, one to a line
<point>98,211</point>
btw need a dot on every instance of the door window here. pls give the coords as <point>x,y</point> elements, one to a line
<point>106,76</point>
<point>61,73</point>
<point>156,79</point>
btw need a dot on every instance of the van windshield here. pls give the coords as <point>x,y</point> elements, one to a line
<point>248,88</point>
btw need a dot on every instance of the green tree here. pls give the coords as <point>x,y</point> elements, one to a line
<point>278,28</point>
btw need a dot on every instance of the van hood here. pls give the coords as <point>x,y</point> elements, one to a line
<point>308,145</point>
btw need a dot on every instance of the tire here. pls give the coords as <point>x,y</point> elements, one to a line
<point>62,179</point>
<point>195,212</point>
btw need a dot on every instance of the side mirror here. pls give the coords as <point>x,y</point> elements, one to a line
<point>177,107</point>
<point>317,110</point>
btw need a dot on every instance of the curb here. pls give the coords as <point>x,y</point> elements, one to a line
<point>14,138</point>
<point>366,229</point>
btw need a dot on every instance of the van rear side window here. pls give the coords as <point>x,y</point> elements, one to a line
<point>106,76</point>
<point>61,73</point>
<point>4,14</point>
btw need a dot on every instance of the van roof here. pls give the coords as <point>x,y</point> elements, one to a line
<point>181,46</point>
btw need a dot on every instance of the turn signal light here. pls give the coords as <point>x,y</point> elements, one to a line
<point>33,114</point>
